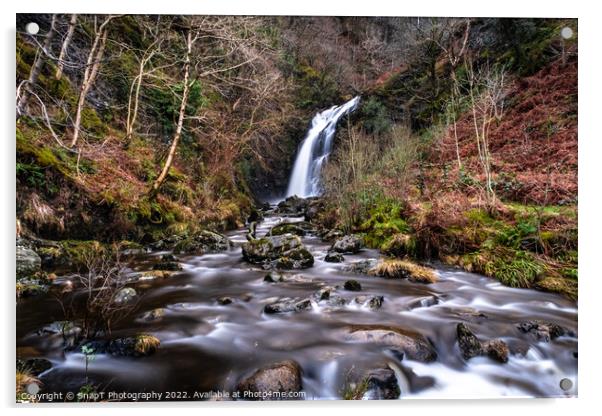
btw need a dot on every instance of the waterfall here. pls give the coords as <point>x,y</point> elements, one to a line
<point>314,150</point>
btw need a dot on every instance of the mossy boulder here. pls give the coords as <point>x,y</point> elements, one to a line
<point>203,242</point>
<point>298,228</point>
<point>283,251</point>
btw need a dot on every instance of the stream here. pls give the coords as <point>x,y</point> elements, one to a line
<point>206,346</point>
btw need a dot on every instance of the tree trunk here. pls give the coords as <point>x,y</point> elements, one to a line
<point>65,47</point>
<point>174,144</point>
<point>92,65</point>
<point>35,70</point>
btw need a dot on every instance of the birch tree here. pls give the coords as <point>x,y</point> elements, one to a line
<point>91,70</point>
<point>184,101</point>
<point>25,87</point>
<point>65,46</point>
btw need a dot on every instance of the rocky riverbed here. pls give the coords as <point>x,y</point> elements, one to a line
<point>274,311</point>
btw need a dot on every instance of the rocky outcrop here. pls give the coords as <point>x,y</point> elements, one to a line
<point>471,346</point>
<point>282,251</point>
<point>279,381</point>
<point>347,244</point>
<point>405,343</point>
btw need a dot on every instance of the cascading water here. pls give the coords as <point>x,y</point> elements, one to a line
<point>317,145</point>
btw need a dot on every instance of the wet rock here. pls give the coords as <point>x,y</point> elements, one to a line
<point>424,302</point>
<point>405,343</point>
<point>381,384</point>
<point>33,366</point>
<point>272,278</point>
<point>361,266</point>
<point>373,302</point>
<point>225,300</point>
<point>347,244</point>
<point>293,205</point>
<point>168,262</point>
<point>30,287</point>
<point>335,301</point>
<point>68,331</point>
<point>154,315</point>
<point>125,295</point>
<point>314,207</point>
<point>28,262</point>
<point>284,251</point>
<point>203,242</point>
<point>544,331</point>
<point>298,258</point>
<point>470,346</point>
<point>166,243</point>
<point>332,235</point>
<point>497,350</point>
<point>352,285</point>
<point>299,229</point>
<point>280,378</point>
<point>254,216</point>
<point>284,306</point>
<point>325,293</point>
<point>141,345</point>
<point>334,257</point>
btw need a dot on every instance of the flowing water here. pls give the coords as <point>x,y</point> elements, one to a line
<point>210,347</point>
<point>314,150</point>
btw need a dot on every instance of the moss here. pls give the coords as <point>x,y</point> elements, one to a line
<point>384,221</point>
<point>400,269</point>
<point>146,344</point>
<point>563,286</point>
<point>353,391</point>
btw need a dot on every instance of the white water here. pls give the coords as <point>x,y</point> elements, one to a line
<point>314,151</point>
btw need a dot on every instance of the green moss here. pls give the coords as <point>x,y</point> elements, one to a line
<point>384,221</point>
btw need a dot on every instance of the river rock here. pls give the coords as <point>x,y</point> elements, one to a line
<point>30,287</point>
<point>141,345</point>
<point>314,207</point>
<point>68,331</point>
<point>543,331</point>
<point>33,366</point>
<point>381,384</point>
<point>352,285</point>
<point>293,205</point>
<point>154,315</point>
<point>470,346</point>
<point>28,262</point>
<point>203,242</point>
<point>332,235</point>
<point>168,262</point>
<point>296,228</point>
<point>347,244</point>
<point>272,382</point>
<point>334,257</point>
<point>405,343</point>
<point>361,266</point>
<point>284,251</point>
<point>125,295</point>
<point>225,300</point>
<point>284,306</point>
<point>373,302</point>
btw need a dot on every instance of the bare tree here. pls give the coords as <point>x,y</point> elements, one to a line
<point>90,72</point>
<point>65,46</point>
<point>486,90</point>
<point>178,133</point>
<point>25,88</point>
